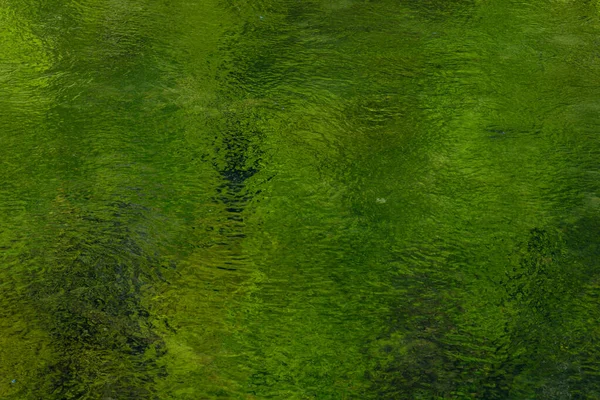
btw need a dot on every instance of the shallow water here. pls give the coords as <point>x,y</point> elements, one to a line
<point>322,199</point>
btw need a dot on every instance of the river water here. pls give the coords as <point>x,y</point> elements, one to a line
<point>285,199</point>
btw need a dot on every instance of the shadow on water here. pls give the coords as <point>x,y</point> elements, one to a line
<point>236,160</point>
<point>237,166</point>
<point>236,148</point>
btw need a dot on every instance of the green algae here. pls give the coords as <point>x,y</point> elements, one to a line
<point>298,200</point>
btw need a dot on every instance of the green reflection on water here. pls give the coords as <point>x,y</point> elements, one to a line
<point>297,200</point>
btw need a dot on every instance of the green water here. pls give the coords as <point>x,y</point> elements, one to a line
<point>285,199</point>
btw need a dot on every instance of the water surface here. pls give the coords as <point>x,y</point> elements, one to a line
<point>322,199</point>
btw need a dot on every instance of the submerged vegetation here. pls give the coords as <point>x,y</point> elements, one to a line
<point>325,199</point>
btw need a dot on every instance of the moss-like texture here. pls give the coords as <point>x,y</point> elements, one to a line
<point>323,199</point>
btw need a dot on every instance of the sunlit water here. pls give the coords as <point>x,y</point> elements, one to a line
<point>320,199</point>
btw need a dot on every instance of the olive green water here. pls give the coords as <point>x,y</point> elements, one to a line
<point>284,199</point>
